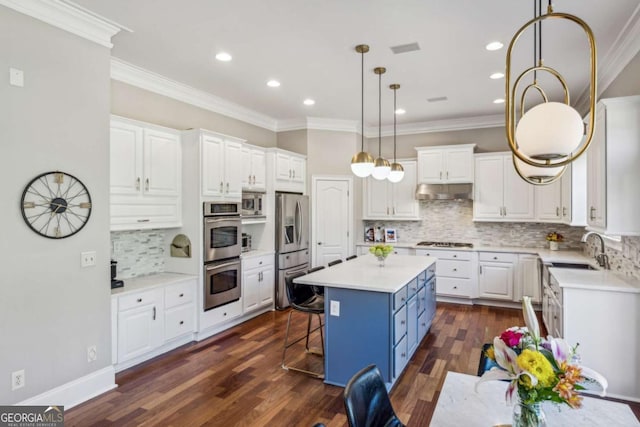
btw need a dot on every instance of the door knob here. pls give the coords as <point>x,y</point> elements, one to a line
<point>319,243</point>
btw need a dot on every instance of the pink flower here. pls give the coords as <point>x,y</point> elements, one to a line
<point>511,338</point>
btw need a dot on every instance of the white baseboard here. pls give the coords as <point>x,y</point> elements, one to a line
<point>171,345</point>
<point>77,391</point>
<point>209,332</point>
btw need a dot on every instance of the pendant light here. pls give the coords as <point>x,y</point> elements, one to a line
<point>381,166</point>
<point>397,171</point>
<point>550,134</point>
<point>362,162</point>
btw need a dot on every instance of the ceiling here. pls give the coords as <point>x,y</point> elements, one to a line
<point>308,45</point>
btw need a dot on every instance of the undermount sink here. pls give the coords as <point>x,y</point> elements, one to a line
<point>573,265</point>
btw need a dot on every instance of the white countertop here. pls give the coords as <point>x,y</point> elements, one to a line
<point>597,280</point>
<point>459,405</point>
<point>365,274</point>
<point>151,281</point>
<point>255,253</point>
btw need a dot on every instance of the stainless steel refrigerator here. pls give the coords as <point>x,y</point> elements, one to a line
<point>292,241</point>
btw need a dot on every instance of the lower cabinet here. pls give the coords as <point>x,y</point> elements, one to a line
<point>527,279</point>
<point>455,272</point>
<point>151,321</point>
<point>257,282</point>
<point>495,280</point>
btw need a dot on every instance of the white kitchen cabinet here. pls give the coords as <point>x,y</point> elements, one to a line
<point>140,324</point>
<point>222,168</point>
<point>499,192</point>
<point>612,168</point>
<point>257,282</point>
<point>145,175</point>
<point>385,200</point>
<point>446,164</point>
<point>455,272</point>
<point>548,202</point>
<point>287,170</point>
<point>527,279</point>
<point>496,275</point>
<point>254,168</point>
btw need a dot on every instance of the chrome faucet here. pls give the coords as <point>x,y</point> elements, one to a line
<point>601,258</point>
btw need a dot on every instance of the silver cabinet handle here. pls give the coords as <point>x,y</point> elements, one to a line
<point>254,180</point>
<point>592,213</point>
<point>557,211</point>
<point>144,220</point>
<point>495,257</point>
<point>440,174</point>
<point>289,173</point>
<point>182,322</point>
<point>227,187</point>
<point>455,256</point>
<point>294,174</point>
<point>319,243</point>
<point>387,210</point>
<point>402,322</point>
<point>138,184</point>
<point>480,269</point>
<point>221,184</point>
<point>146,184</point>
<point>394,210</point>
<point>504,209</point>
<point>564,211</point>
<point>139,300</point>
<point>447,174</point>
<point>154,312</point>
<point>181,295</point>
<point>455,269</point>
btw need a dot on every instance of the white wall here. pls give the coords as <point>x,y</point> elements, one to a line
<point>51,310</point>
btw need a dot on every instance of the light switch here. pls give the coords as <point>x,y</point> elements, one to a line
<point>16,77</point>
<point>334,309</point>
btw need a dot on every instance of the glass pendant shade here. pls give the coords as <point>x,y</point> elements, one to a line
<point>362,164</point>
<point>381,169</point>
<point>538,175</point>
<point>551,130</point>
<point>396,173</point>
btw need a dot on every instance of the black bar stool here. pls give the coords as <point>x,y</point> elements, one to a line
<point>304,299</point>
<point>335,262</point>
<point>318,289</point>
<point>349,258</point>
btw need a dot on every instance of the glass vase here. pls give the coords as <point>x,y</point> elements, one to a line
<point>528,415</point>
<point>381,260</point>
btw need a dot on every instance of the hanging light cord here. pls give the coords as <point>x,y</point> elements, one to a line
<point>380,115</point>
<point>394,125</point>
<point>362,103</point>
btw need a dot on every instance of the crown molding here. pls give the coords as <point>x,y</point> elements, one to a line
<point>318,123</point>
<point>625,48</point>
<point>446,125</point>
<point>70,17</point>
<point>127,73</point>
<point>292,124</point>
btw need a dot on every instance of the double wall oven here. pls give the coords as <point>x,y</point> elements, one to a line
<point>222,248</point>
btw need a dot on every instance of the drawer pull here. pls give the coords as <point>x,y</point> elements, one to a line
<point>154,312</point>
<point>139,299</point>
<point>495,257</point>
<point>403,355</point>
<point>260,263</point>
<point>455,256</point>
<point>403,299</point>
<point>455,287</point>
<point>224,314</point>
<point>182,322</point>
<point>181,295</point>
<point>455,269</point>
<point>402,322</point>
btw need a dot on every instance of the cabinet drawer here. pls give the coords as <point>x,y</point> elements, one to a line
<point>179,321</point>
<point>400,357</point>
<point>440,254</point>
<point>152,296</point>
<point>257,261</point>
<point>498,257</point>
<point>399,324</point>
<point>226,312</point>
<point>412,287</point>
<point>454,287</point>
<point>449,268</point>
<point>399,298</point>
<point>180,293</point>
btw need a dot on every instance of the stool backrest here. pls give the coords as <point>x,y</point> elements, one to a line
<point>311,270</point>
<point>297,293</point>
<point>337,261</point>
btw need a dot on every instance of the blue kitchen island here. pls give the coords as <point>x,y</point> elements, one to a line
<point>375,315</point>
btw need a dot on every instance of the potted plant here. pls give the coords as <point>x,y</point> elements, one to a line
<point>554,239</point>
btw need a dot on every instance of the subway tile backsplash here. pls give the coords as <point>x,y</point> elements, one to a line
<point>625,261</point>
<point>138,252</point>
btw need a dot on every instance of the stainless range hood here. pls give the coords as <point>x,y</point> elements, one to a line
<point>444,192</point>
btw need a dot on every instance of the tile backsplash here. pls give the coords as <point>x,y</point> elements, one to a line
<point>138,252</point>
<point>625,261</point>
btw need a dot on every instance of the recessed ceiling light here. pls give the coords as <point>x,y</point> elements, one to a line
<point>496,76</point>
<point>494,46</point>
<point>223,56</point>
<point>308,101</point>
<point>273,83</point>
<point>498,101</point>
<point>400,111</point>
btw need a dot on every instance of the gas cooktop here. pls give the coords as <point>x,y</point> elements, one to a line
<point>446,244</point>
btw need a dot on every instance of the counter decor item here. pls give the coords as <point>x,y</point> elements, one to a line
<point>390,235</point>
<point>381,252</point>
<point>539,369</point>
<point>554,239</point>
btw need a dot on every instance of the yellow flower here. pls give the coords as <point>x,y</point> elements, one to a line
<point>490,353</point>
<point>537,365</point>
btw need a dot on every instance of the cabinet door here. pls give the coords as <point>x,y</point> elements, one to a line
<point>422,326</point>
<point>496,280</point>
<point>412,325</point>
<point>566,184</point>
<point>430,301</point>
<point>283,167</point>
<point>518,194</point>
<point>162,163</point>
<point>459,165</point>
<point>250,289</point>
<point>596,168</point>
<point>233,170</point>
<point>400,357</point>
<point>258,169</point>
<point>431,166</point>
<point>139,331</point>
<point>247,171</point>
<point>212,166</point>
<point>548,201</point>
<point>404,203</point>
<point>297,169</point>
<point>267,288</point>
<point>376,199</point>
<point>125,146</point>
<point>489,181</point>
<point>527,279</point>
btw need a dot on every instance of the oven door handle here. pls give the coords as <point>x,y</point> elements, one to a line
<point>218,266</point>
<point>214,220</point>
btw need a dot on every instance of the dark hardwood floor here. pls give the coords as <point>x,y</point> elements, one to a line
<point>235,378</point>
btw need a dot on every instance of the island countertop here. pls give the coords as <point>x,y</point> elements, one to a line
<point>365,274</point>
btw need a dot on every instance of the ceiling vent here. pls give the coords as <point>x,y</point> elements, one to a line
<point>437,99</point>
<point>404,48</point>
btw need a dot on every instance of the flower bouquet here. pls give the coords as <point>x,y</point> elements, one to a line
<point>381,252</point>
<point>538,369</point>
<point>554,238</point>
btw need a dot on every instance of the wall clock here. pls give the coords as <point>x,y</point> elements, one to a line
<point>56,205</point>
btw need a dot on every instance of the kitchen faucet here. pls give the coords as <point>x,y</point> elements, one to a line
<point>602,258</point>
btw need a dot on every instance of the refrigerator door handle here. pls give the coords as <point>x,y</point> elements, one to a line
<point>298,224</point>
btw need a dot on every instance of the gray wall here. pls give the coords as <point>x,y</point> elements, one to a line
<point>293,140</point>
<point>627,83</point>
<point>51,310</point>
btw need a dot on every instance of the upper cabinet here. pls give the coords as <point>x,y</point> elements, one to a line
<point>254,168</point>
<point>145,175</point>
<point>446,164</point>
<point>612,168</point>
<point>385,200</point>
<point>564,201</point>
<point>288,170</point>
<point>499,193</point>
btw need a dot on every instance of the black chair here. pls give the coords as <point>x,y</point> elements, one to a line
<point>318,289</point>
<point>367,401</point>
<point>349,258</point>
<point>304,299</point>
<point>314,269</point>
<point>335,262</point>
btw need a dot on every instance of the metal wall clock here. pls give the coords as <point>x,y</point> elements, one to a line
<point>56,205</point>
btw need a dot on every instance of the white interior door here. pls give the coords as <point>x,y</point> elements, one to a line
<point>332,219</point>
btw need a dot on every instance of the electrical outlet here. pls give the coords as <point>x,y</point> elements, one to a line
<point>17,379</point>
<point>88,259</point>
<point>92,353</point>
<point>334,308</point>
